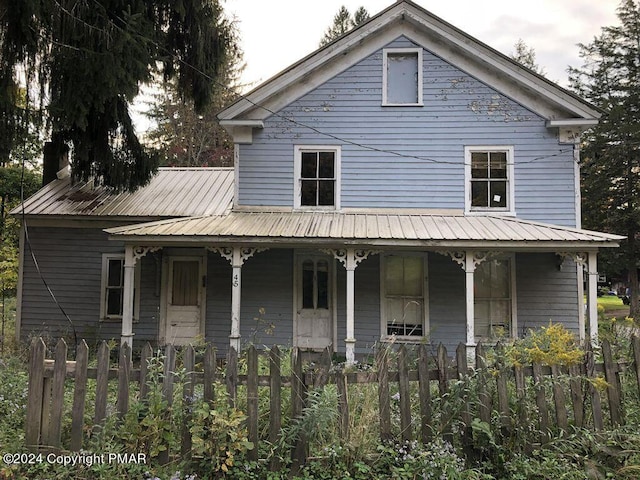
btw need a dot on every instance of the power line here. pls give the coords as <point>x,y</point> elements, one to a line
<point>304,125</point>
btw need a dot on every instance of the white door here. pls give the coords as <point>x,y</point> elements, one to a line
<point>314,318</point>
<point>184,300</point>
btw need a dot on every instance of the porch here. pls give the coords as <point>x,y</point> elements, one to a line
<point>353,279</point>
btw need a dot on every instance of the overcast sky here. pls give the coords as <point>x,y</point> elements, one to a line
<point>277,33</point>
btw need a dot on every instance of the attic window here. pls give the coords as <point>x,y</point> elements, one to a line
<point>402,77</point>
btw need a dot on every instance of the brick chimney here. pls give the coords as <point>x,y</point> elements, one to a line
<point>55,158</point>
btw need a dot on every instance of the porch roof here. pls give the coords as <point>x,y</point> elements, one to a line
<point>374,228</point>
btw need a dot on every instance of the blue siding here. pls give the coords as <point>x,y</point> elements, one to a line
<point>447,306</point>
<point>70,260</point>
<point>458,110</point>
<point>545,293</point>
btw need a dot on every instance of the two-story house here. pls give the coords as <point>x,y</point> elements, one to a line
<point>405,182</point>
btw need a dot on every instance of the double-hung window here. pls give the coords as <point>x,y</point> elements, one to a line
<point>493,302</point>
<point>402,77</point>
<point>317,170</point>
<point>404,296</point>
<point>112,290</point>
<point>489,179</point>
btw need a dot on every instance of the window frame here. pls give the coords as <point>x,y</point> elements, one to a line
<point>513,327</point>
<point>384,336</point>
<point>297,173</point>
<point>385,79</point>
<point>510,181</point>
<point>106,257</point>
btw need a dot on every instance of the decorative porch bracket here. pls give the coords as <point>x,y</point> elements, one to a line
<point>350,259</point>
<point>469,261</point>
<point>236,256</point>
<point>132,253</point>
<point>588,261</point>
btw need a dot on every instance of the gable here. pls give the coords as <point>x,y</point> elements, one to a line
<point>406,19</point>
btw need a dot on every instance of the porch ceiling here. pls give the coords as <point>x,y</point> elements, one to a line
<point>363,228</point>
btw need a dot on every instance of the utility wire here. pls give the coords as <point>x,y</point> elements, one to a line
<point>301,124</point>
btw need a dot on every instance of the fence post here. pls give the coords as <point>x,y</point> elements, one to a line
<point>35,394</point>
<point>503,397</point>
<point>124,373</point>
<point>405,395</point>
<point>275,404</point>
<point>541,402</point>
<point>102,384</point>
<point>425,393</point>
<point>209,392</point>
<point>252,400</point>
<point>443,384</point>
<point>232,376</point>
<point>559,399</point>
<point>299,452</point>
<point>343,405</point>
<point>596,403</point>
<point>635,342</point>
<point>575,383</point>
<point>145,356</point>
<point>167,392</point>
<point>187,399</point>
<point>79,396</point>
<point>57,394</point>
<point>484,398</point>
<point>463,376</point>
<point>613,384</point>
<point>382,364</point>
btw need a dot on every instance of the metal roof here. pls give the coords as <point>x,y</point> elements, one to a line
<point>172,192</point>
<point>393,228</point>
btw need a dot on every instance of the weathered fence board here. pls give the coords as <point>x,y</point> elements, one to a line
<point>433,374</point>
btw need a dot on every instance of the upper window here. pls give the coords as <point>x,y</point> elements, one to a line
<point>317,177</point>
<point>493,304</point>
<point>403,296</point>
<point>489,179</point>
<point>112,295</point>
<point>402,76</point>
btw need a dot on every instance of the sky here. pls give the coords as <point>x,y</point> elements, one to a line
<point>277,33</point>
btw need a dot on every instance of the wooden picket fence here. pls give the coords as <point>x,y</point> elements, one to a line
<point>563,396</point>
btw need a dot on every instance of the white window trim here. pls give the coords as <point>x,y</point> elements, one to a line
<point>385,53</point>
<point>297,164</point>
<point>513,331</point>
<point>103,289</point>
<point>510,209</point>
<point>425,295</point>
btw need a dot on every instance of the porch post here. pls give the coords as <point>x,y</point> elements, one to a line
<point>127,296</point>
<point>350,259</point>
<point>236,289</point>
<point>236,256</point>
<point>469,270</point>
<point>592,295</point>
<point>350,341</point>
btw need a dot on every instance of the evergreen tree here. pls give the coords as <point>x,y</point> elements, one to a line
<point>610,78</point>
<point>526,55</point>
<point>343,21</point>
<point>85,62</point>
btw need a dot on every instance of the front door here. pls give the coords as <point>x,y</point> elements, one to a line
<point>184,299</point>
<point>314,317</point>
